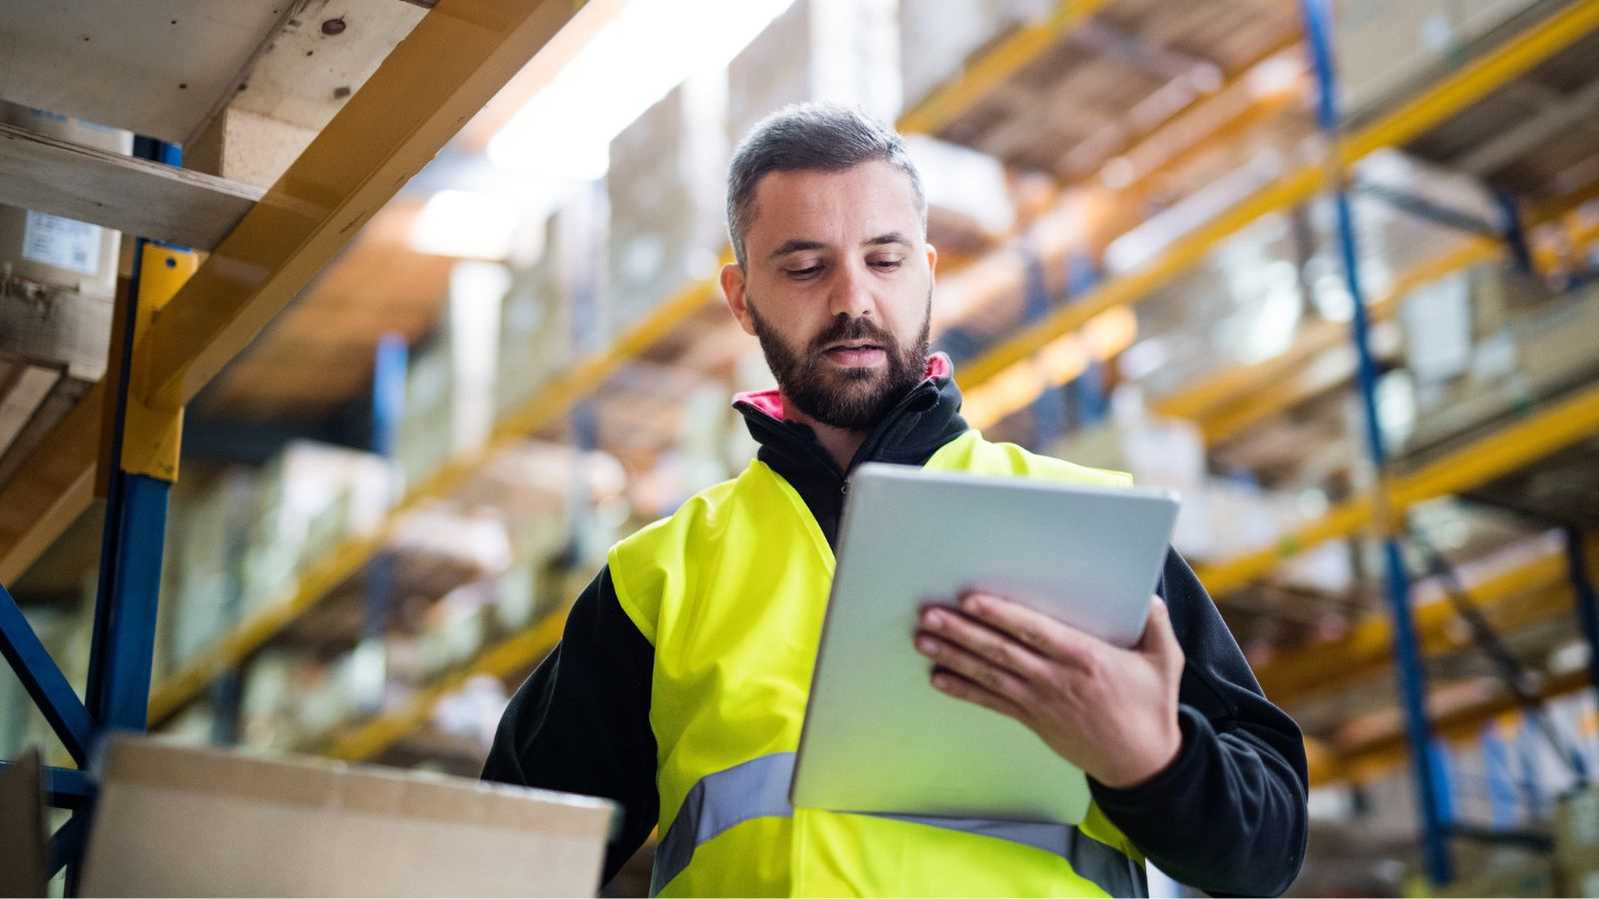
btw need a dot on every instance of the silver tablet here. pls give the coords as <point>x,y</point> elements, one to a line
<point>877,736</point>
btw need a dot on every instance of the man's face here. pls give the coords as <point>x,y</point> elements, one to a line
<point>838,289</point>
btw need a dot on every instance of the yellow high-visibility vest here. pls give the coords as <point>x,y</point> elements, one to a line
<point>731,590</point>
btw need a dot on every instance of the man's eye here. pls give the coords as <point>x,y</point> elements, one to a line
<point>886,264</point>
<point>808,272</point>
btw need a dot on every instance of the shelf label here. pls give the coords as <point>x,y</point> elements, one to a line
<point>62,242</point>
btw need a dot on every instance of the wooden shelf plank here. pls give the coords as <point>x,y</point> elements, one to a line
<point>135,196</point>
<point>447,69</point>
<point>1527,439</point>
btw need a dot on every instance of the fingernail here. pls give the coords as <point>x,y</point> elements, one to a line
<point>940,681</point>
<point>972,603</point>
<point>933,617</point>
<point>925,645</point>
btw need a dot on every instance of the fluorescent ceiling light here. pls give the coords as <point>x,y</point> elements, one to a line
<point>652,46</point>
<point>466,225</point>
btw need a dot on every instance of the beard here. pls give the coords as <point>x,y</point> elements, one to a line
<point>853,399</point>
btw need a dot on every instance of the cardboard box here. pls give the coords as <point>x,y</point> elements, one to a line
<point>665,187</point>
<point>1385,50</point>
<point>938,37</point>
<point>177,821</point>
<point>842,51</point>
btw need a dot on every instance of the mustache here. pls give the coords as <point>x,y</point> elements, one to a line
<point>847,328</point>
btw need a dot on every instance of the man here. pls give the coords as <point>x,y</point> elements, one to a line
<point>680,685</point>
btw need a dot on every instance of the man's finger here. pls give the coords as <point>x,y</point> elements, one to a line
<point>1159,640</point>
<point>1035,630</point>
<point>995,646</point>
<point>971,666</point>
<point>952,684</point>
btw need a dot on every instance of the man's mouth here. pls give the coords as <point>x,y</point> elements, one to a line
<point>855,353</point>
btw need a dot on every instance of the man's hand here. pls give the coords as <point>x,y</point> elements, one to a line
<point>1110,711</point>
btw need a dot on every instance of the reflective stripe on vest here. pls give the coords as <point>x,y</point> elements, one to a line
<point>759,789</point>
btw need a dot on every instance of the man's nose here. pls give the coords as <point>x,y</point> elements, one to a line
<point>851,294</point>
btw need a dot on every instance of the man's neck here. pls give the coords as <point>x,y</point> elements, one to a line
<point>840,443</point>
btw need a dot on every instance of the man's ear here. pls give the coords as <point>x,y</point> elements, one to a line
<point>932,259</point>
<point>733,292</point>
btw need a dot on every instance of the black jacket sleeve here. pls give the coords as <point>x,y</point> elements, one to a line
<point>580,723</point>
<point>1228,816</point>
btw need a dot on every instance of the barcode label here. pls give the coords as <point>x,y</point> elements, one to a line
<point>62,242</point>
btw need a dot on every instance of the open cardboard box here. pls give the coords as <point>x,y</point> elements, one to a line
<point>181,821</point>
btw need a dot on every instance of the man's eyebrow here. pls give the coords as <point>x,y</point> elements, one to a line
<point>883,239</point>
<point>797,246</point>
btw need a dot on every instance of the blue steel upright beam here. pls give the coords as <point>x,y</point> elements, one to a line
<point>1587,603</point>
<point>43,680</point>
<point>125,613</point>
<point>388,409</point>
<point>1515,232</point>
<point>131,545</point>
<point>1428,771</point>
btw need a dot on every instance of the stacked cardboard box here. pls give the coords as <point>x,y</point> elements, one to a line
<point>554,309</point>
<point>843,51</point>
<point>1538,346</point>
<point>449,387</point>
<point>1385,49</point>
<point>536,327</point>
<point>937,36</point>
<point>57,275</point>
<point>311,497</point>
<point>200,596</point>
<point>665,190</point>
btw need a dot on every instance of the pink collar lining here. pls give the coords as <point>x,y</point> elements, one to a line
<point>770,401</point>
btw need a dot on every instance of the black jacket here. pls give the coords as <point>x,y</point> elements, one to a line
<point>1228,816</point>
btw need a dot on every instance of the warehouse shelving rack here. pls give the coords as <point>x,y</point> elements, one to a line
<point>1519,444</point>
<point>183,319</point>
<point>201,339</point>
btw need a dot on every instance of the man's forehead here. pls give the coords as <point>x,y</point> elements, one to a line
<point>873,196</point>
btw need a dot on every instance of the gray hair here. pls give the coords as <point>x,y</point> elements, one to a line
<point>810,137</point>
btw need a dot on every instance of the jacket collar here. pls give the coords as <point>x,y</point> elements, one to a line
<point>926,418</point>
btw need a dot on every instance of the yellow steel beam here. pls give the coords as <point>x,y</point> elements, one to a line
<point>1551,428</point>
<point>1369,644</point>
<point>504,659</point>
<point>152,438</point>
<point>450,66</point>
<point>995,68</point>
<point>1371,759</point>
<point>1453,94</point>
